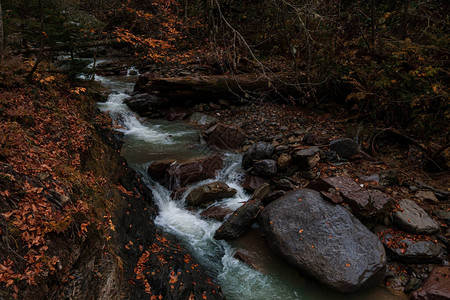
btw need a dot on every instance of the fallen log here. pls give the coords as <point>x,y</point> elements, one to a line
<point>190,90</point>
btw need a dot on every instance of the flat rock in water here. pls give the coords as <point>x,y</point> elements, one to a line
<point>144,103</point>
<point>412,218</point>
<point>216,212</point>
<point>241,220</point>
<point>324,240</point>
<point>209,192</point>
<point>173,174</point>
<point>257,151</point>
<point>250,259</point>
<point>437,286</point>
<point>344,147</point>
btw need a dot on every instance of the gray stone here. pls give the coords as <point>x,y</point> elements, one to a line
<point>240,221</point>
<point>363,202</point>
<point>265,167</point>
<point>427,196</point>
<point>216,213</point>
<point>226,137</point>
<point>409,248</point>
<point>209,192</point>
<point>324,241</point>
<point>306,159</point>
<point>344,147</point>
<point>251,182</point>
<point>414,219</point>
<point>258,151</point>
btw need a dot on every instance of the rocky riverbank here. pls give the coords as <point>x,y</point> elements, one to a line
<point>380,207</point>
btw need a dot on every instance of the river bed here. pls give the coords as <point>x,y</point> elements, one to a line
<point>146,141</point>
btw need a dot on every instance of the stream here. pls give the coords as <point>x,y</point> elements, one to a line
<point>150,140</point>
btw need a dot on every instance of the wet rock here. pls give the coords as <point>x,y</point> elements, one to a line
<point>225,136</point>
<point>284,185</point>
<point>258,151</point>
<point>145,103</point>
<point>341,184</point>
<point>252,182</point>
<point>241,220</point>
<point>158,170</point>
<point>173,174</point>
<point>248,258</point>
<point>344,147</point>
<point>142,84</point>
<point>409,248</point>
<point>306,159</point>
<point>324,240</point>
<point>209,192</point>
<point>414,219</point>
<point>265,167</point>
<point>199,119</point>
<point>369,203</point>
<point>176,114</point>
<point>284,161</point>
<point>437,286</point>
<point>216,213</point>
<point>364,203</point>
<point>388,178</point>
<point>427,196</point>
<point>272,196</point>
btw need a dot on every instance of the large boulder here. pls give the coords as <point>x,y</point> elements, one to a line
<point>324,240</point>
<point>225,137</point>
<point>412,218</point>
<point>257,151</point>
<point>209,192</point>
<point>241,220</point>
<point>437,285</point>
<point>344,147</point>
<point>173,174</point>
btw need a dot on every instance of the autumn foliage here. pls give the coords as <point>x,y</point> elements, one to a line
<point>45,191</point>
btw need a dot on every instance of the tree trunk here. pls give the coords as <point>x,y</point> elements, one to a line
<point>1,32</point>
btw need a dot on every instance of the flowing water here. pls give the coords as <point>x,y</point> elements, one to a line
<point>146,141</point>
